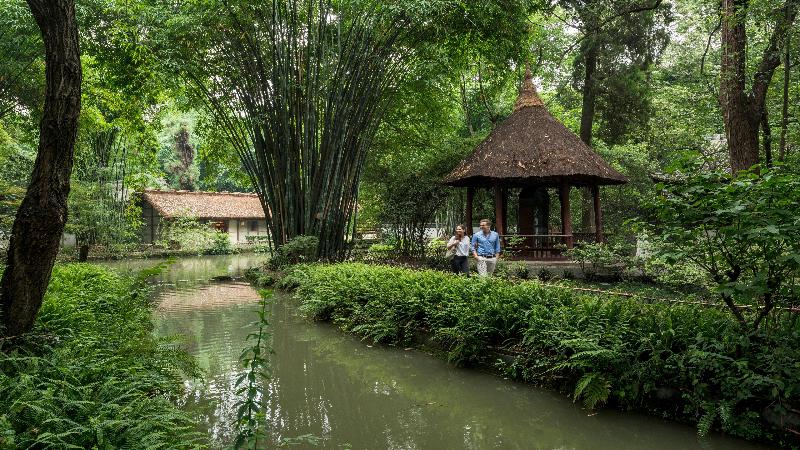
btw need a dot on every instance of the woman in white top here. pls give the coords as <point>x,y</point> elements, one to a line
<point>459,245</point>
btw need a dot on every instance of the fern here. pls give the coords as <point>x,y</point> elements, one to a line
<point>706,422</point>
<point>92,375</point>
<point>593,388</point>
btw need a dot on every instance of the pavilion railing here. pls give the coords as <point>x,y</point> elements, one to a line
<point>542,246</point>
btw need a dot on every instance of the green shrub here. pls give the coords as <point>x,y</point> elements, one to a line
<point>519,270</point>
<point>599,260</point>
<point>265,280</point>
<point>376,253</point>
<point>298,250</point>
<point>92,375</point>
<point>683,276</point>
<point>260,244</point>
<point>544,274</point>
<point>220,245</point>
<point>436,247</point>
<point>741,230</point>
<point>686,361</point>
<point>188,235</point>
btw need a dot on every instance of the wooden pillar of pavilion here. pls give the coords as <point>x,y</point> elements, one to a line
<point>566,217</point>
<point>504,208</point>
<point>499,215</point>
<point>598,214</point>
<point>468,218</point>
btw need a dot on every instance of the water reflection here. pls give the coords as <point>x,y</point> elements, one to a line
<point>191,271</point>
<point>333,386</point>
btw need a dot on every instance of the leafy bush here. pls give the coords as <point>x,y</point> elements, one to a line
<point>598,259</point>
<point>685,361</point>
<point>189,235</point>
<point>92,375</point>
<point>379,252</point>
<point>297,250</point>
<point>436,247</point>
<point>519,270</point>
<point>220,245</point>
<point>545,274</point>
<point>682,276</point>
<point>260,244</point>
<point>742,231</point>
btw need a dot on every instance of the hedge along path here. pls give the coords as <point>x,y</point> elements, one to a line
<point>684,361</point>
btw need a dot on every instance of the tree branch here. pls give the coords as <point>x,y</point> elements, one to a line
<point>771,58</point>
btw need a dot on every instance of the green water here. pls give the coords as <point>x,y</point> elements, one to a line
<point>351,395</point>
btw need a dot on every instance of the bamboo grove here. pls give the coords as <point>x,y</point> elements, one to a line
<point>299,90</point>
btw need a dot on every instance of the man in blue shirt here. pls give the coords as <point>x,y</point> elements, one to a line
<point>486,248</point>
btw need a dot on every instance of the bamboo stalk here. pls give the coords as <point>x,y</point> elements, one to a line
<point>299,88</point>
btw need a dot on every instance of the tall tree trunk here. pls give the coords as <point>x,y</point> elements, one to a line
<point>83,253</point>
<point>785,109</point>
<point>742,111</point>
<point>587,122</point>
<point>741,122</point>
<point>37,229</point>
<point>588,92</point>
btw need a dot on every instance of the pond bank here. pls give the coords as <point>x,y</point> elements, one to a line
<point>333,388</point>
<point>681,361</point>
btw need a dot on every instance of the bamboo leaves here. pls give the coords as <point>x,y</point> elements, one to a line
<point>299,87</point>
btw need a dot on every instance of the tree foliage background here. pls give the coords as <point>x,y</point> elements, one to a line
<point>656,94</point>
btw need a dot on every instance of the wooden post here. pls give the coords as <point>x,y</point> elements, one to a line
<point>498,210</point>
<point>468,219</point>
<point>504,208</point>
<point>598,215</point>
<point>566,218</point>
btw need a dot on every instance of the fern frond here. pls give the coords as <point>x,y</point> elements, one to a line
<point>593,388</point>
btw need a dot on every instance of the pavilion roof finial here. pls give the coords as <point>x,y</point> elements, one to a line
<point>527,92</point>
<point>532,148</point>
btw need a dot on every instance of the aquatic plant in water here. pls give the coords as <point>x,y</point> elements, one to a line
<point>250,417</point>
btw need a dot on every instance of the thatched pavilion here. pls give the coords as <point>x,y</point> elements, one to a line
<point>533,151</point>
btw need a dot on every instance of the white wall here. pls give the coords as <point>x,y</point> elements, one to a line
<point>240,229</point>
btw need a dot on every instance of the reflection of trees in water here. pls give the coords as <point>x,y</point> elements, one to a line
<point>189,271</point>
<point>378,398</point>
<point>212,321</point>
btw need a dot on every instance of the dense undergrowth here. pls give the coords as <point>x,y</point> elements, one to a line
<point>91,374</point>
<point>686,362</point>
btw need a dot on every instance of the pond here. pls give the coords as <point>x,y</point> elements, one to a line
<point>350,395</point>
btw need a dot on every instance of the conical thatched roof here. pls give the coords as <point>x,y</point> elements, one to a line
<point>532,147</point>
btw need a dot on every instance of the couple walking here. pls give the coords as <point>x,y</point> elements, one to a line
<point>484,247</point>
